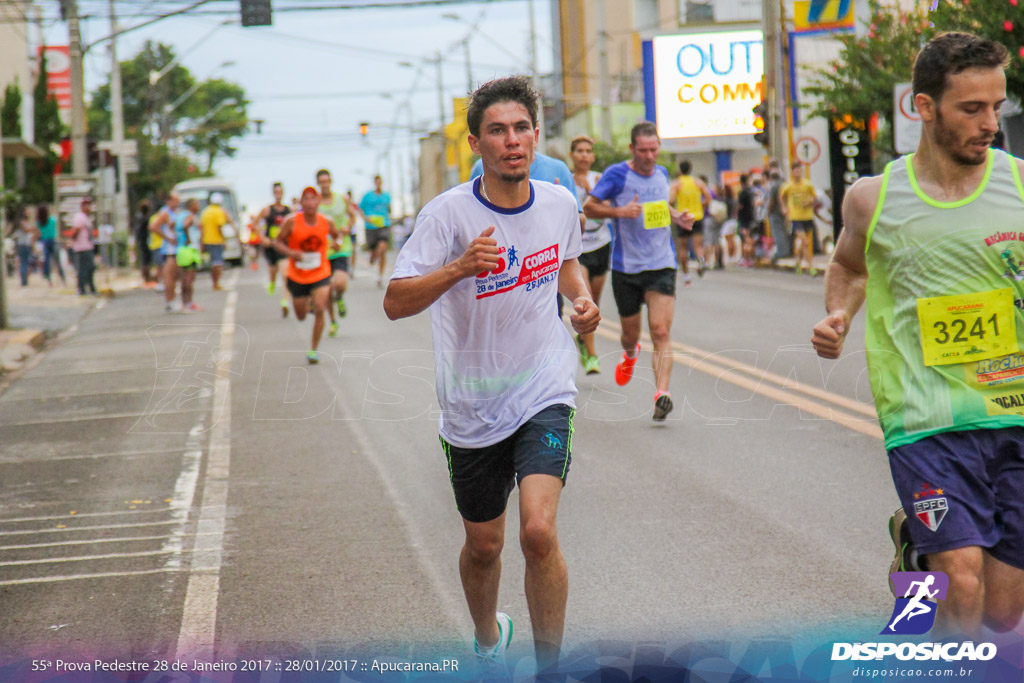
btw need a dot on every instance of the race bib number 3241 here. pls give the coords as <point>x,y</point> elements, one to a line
<point>967,327</point>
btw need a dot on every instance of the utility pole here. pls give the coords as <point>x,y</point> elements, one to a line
<point>469,67</point>
<point>786,89</point>
<point>536,76</point>
<point>606,86</point>
<point>443,166</point>
<point>774,124</point>
<point>117,129</point>
<point>79,159</point>
<point>3,229</point>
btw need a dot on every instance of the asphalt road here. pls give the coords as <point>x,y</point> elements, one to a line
<point>179,485</point>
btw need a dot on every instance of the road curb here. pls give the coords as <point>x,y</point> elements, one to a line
<point>18,346</point>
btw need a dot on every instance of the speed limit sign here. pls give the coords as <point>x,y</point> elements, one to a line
<point>807,150</point>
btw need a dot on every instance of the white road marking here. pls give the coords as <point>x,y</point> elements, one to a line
<point>196,638</point>
<point>104,527</point>
<point>90,558</point>
<point>106,416</point>
<point>88,541</point>
<point>78,577</point>
<point>84,514</point>
<point>87,456</point>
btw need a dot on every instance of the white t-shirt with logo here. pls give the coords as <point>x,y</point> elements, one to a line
<point>501,354</point>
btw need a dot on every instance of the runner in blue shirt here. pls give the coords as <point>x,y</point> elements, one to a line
<point>376,208</point>
<point>634,194</point>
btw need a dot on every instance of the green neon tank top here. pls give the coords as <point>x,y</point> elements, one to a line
<point>944,293</point>
<point>337,211</point>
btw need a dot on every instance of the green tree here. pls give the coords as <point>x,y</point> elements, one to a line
<point>860,81</point>
<point>10,125</point>
<point>214,137</point>
<point>1000,20</point>
<point>163,118</point>
<point>48,131</point>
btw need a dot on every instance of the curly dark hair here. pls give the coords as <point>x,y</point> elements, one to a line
<point>949,53</point>
<point>511,89</point>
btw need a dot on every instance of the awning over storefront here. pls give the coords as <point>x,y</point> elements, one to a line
<point>14,148</point>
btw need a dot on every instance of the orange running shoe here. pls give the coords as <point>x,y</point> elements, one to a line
<point>624,370</point>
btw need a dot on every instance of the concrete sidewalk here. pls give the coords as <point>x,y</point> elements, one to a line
<point>38,312</point>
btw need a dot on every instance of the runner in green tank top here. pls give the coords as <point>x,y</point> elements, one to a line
<point>334,206</point>
<point>934,247</point>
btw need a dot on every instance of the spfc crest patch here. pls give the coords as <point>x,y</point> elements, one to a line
<point>931,512</point>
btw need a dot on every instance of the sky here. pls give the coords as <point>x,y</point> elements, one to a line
<point>313,76</point>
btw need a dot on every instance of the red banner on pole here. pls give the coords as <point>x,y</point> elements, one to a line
<point>58,73</point>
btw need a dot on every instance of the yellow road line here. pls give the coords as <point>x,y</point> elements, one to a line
<point>697,359</point>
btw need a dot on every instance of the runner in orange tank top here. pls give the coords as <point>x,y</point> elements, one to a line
<point>303,239</point>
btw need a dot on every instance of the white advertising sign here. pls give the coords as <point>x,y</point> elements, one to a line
<point>908,120</point>
<point>707,83</point>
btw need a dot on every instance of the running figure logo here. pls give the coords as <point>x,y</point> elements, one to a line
<point>513,259</point>
<point>914,613</point>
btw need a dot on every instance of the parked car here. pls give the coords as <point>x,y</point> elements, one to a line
<point>202,189</point>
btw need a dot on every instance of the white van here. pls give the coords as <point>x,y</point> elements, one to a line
<point>202,189</point>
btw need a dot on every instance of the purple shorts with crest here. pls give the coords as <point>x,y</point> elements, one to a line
<point>964,488</point>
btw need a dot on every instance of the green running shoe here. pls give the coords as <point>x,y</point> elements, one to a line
<point>342,308</point>
<point>584,354</point>
<point>312,357</point>
<point>592,365</point>
<point>332,331</point>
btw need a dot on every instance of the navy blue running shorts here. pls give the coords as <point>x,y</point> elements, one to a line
<point>964,489</point>
<point>483,478</point>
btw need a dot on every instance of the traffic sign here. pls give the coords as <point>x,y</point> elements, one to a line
<point>907,128</point>
<point>807,150</point>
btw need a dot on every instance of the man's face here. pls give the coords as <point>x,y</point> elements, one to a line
<point>507,142</point>
<point>310,202</point>
<point>798,173</point>
<point>324,181</point>
<point>377,183</point>
<point>173,202</point>
<point>583,155</point>
<point>645,153</point>
<point>966,118</point>
<point>278,193</point>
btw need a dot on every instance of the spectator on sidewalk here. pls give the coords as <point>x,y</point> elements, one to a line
<point>105,242</point>
<point>143,253</point>
<point>82,245</point>
<point>23,232</point>
<point>777,220</point>
<point>47,226</point>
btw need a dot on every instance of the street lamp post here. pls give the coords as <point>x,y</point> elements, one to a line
<point>165,127</point>
<point>465,47</point>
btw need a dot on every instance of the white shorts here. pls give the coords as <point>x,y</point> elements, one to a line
<point>729,227</point>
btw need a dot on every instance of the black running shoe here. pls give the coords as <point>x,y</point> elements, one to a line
<point>662,406</point>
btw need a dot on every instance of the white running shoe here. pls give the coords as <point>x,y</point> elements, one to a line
<point>494,657</point>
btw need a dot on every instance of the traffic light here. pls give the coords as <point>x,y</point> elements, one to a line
<point>364,128</point>
<point>256,13</point>
<point>761,123</point>
<point>92,152</point>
